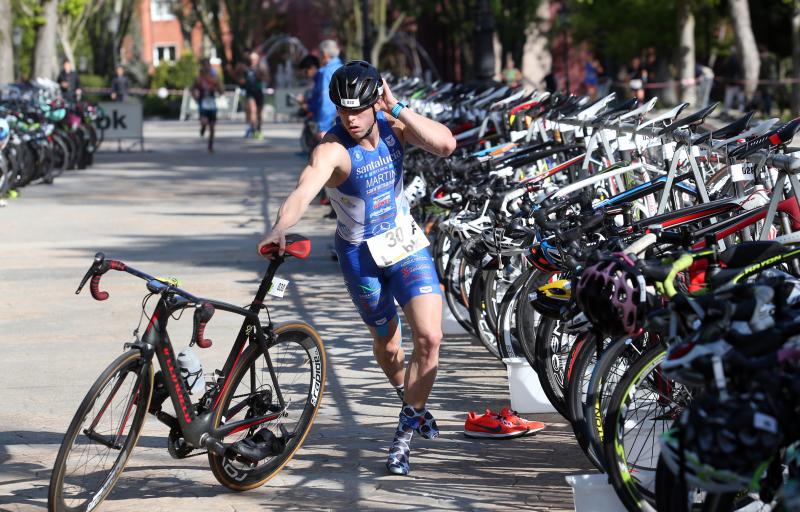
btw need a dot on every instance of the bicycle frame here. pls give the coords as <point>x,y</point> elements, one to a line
<point>196,428</point>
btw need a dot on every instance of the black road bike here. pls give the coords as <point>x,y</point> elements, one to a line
<point>252,418</point>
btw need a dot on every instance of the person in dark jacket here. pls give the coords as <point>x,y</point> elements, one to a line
<point>69,83</point>
<point>119,85</point>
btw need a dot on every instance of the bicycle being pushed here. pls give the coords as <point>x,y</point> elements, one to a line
<point>252,417</point>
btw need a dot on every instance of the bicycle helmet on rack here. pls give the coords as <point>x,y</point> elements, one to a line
<point>541,257</point>
<point>355,85</point>
<point>447,195</point>
<point>497,241</point>
<point>723,445</point>
<point>612,293</point>
<point>552,299</point>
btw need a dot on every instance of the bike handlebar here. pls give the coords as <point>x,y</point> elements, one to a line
<point>202,314</point>
<point>203,310</point>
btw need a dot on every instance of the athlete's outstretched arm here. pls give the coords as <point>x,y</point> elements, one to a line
<point>320,167</point>
<point>418,130</point>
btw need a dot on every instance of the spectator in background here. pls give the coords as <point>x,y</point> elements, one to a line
<point>309,67</point>
<point>656,73</point>
<point>591,77</point>
<point>204,91</point>
<point>511,75</point>
<point>252,79</point>
<point>732,76</point>
<point>119,85</point>
<point>320,104</point>
<point>768,74</point>
<point>69,83</point>
<point>637,78</point>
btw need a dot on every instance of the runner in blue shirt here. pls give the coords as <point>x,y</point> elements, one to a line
<point>382,252</point>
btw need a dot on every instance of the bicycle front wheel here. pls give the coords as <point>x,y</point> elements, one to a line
<point>102,435</point>
<point>298,365</point>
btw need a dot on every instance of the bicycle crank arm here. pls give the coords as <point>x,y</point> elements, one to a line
<point>236,426</point>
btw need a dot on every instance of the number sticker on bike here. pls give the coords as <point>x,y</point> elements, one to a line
<point>396,244</point>
<point>278,287</point>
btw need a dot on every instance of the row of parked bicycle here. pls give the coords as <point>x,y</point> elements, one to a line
<point>42,135</point>
<point>644,265</point>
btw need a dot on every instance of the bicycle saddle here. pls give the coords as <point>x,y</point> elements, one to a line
<point>754,131</point>
<point>296,245</point>
<point>726,131</point>
<point>617,110</point>
<point>695,119</point>
<point>781,135</point>
<point>667,116</point>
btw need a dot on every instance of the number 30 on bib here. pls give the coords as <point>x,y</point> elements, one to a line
<point>398,243</point>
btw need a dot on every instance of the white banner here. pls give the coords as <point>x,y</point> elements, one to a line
<point>121,120</point>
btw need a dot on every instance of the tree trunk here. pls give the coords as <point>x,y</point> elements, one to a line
<point>6,46</point>
<point>66,45</point>
<point>45,63</point>
<point>686,51</point>
<point>746,44</point>
<point>796,56</point>
<point>383,35</point>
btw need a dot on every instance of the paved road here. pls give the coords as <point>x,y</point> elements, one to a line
<point>177,211</point>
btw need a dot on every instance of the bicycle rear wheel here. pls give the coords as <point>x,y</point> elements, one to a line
<point>298,360</point>
<point>102,435</point>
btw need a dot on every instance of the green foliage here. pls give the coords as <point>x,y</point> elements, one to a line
<point>176,76</point>
<point>89,80</point>
<point>622,29</point>
<point>72,7</point>
<point>512,19</point>
<point>169,108</point>
<point>27,16</point>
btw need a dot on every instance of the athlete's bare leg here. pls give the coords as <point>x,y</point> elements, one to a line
<point>388,353</point>
<point>424,313</point>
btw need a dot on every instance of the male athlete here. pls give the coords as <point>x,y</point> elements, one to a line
<point>381,250</point>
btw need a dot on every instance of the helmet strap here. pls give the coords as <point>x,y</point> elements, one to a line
<point>374,120</point>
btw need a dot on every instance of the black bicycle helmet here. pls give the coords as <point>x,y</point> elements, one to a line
<point>355,85</point>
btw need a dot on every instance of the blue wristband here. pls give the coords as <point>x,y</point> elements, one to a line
<point>397,108</point>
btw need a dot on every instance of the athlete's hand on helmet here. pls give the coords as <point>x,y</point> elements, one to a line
<point>387,99</point>
<point>278,237</point>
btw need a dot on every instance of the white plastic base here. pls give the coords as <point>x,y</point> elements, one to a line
<point>593,493</point>
<point>526,391</point>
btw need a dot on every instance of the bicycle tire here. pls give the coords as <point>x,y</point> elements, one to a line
<point>551,361</point>
<point>583,363</point>
<point>633,494</point>
<point>614,364</point>
<point>130,361</point>
<point>230,473</point>
<point>453,291</point>
<point>479,315</point>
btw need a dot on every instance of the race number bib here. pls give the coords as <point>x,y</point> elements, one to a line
<point>208,104</point>
<point>398,243</point>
